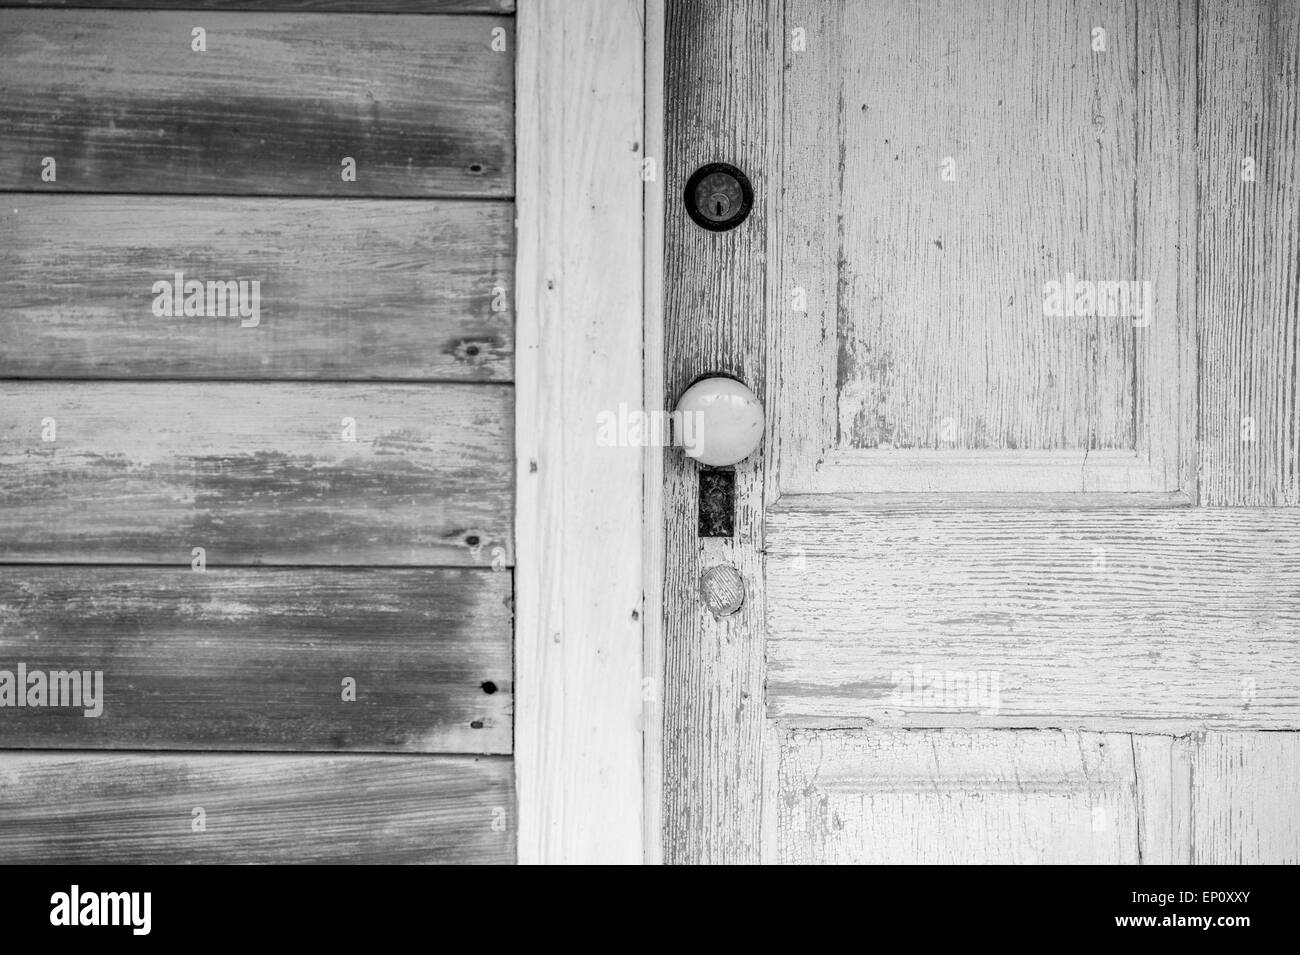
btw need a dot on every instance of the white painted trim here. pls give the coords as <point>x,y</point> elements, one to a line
<point>578,512</point>
<point>653,337</point>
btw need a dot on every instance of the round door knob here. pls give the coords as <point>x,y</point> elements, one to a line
<point>721,421</point>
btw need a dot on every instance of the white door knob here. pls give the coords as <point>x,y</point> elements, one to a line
<point>721,421</point>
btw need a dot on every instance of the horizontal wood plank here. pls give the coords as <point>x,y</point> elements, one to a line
<point>268,6</point>
<point>1038,796</point>
<point>141,809</point>
<point>122,103</point>
<point>371,289</point>
<point>258,659</point>
<point>962,616</point>
<point>255,473</point>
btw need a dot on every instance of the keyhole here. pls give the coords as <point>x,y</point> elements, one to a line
<point>718,196</point>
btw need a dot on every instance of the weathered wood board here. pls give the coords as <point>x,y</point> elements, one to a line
<point>368,289</point>
<point>141,809</point>
<point>264,6</point>
<point>257,659</point>
<point>962,614</point>
<point>1249,251</point>
<point>256,473</point>
<point>581,718</point>
<point>878,796</point>
<point>274,105</point>
<point>721,104</point>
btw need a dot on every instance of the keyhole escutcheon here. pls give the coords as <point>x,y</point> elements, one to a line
<point>718,197</point>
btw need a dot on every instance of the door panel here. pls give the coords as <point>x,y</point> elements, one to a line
<point>1038,796</point>
<point>946,236</point>
<point>955,797</point>
<point>944,182</point>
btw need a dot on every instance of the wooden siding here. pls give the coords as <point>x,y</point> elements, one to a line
<point>119,99</point>
<point>288,6</point>
<point>256,658</point>
<point>366,289</point>
<point>140,809</point>
<point>345,462</point>
<point>255,473</point>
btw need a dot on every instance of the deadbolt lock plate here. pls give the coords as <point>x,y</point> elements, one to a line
<point>718,197</point>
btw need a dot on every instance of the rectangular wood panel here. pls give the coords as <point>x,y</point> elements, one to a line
<point>141,809</point>
<point>276,102</point>
<point>1249,249</point>
<point>943,797</point>
<point>371,289</point>
<point>255,473</point>
<point>257,659</point>
<point>1038,796</point>
<point>951,614</point>
<point>966,182</point>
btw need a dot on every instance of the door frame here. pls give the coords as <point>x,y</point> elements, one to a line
<point>587,292</point>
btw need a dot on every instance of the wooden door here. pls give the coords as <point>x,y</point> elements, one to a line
<point>1019,294</point>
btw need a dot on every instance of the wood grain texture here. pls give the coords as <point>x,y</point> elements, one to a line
<point>948,797</point>
<point>1165,376</point>
<point>422,104</point>
<point>940,294</point>
<point>1038,796</point>
<point>898,284</point>
<point>256,659</point>
<point>139,809</point>
<point>268,6</point>
<point>1249,249</point>
<point>722,64</point>
<point>1164,795</point>
<point>1083,618</point>
<point>348,290</point>
<point>1245,799</point>
<point>579,576</point>
<point>654,362</point>
<point>255,473</point>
